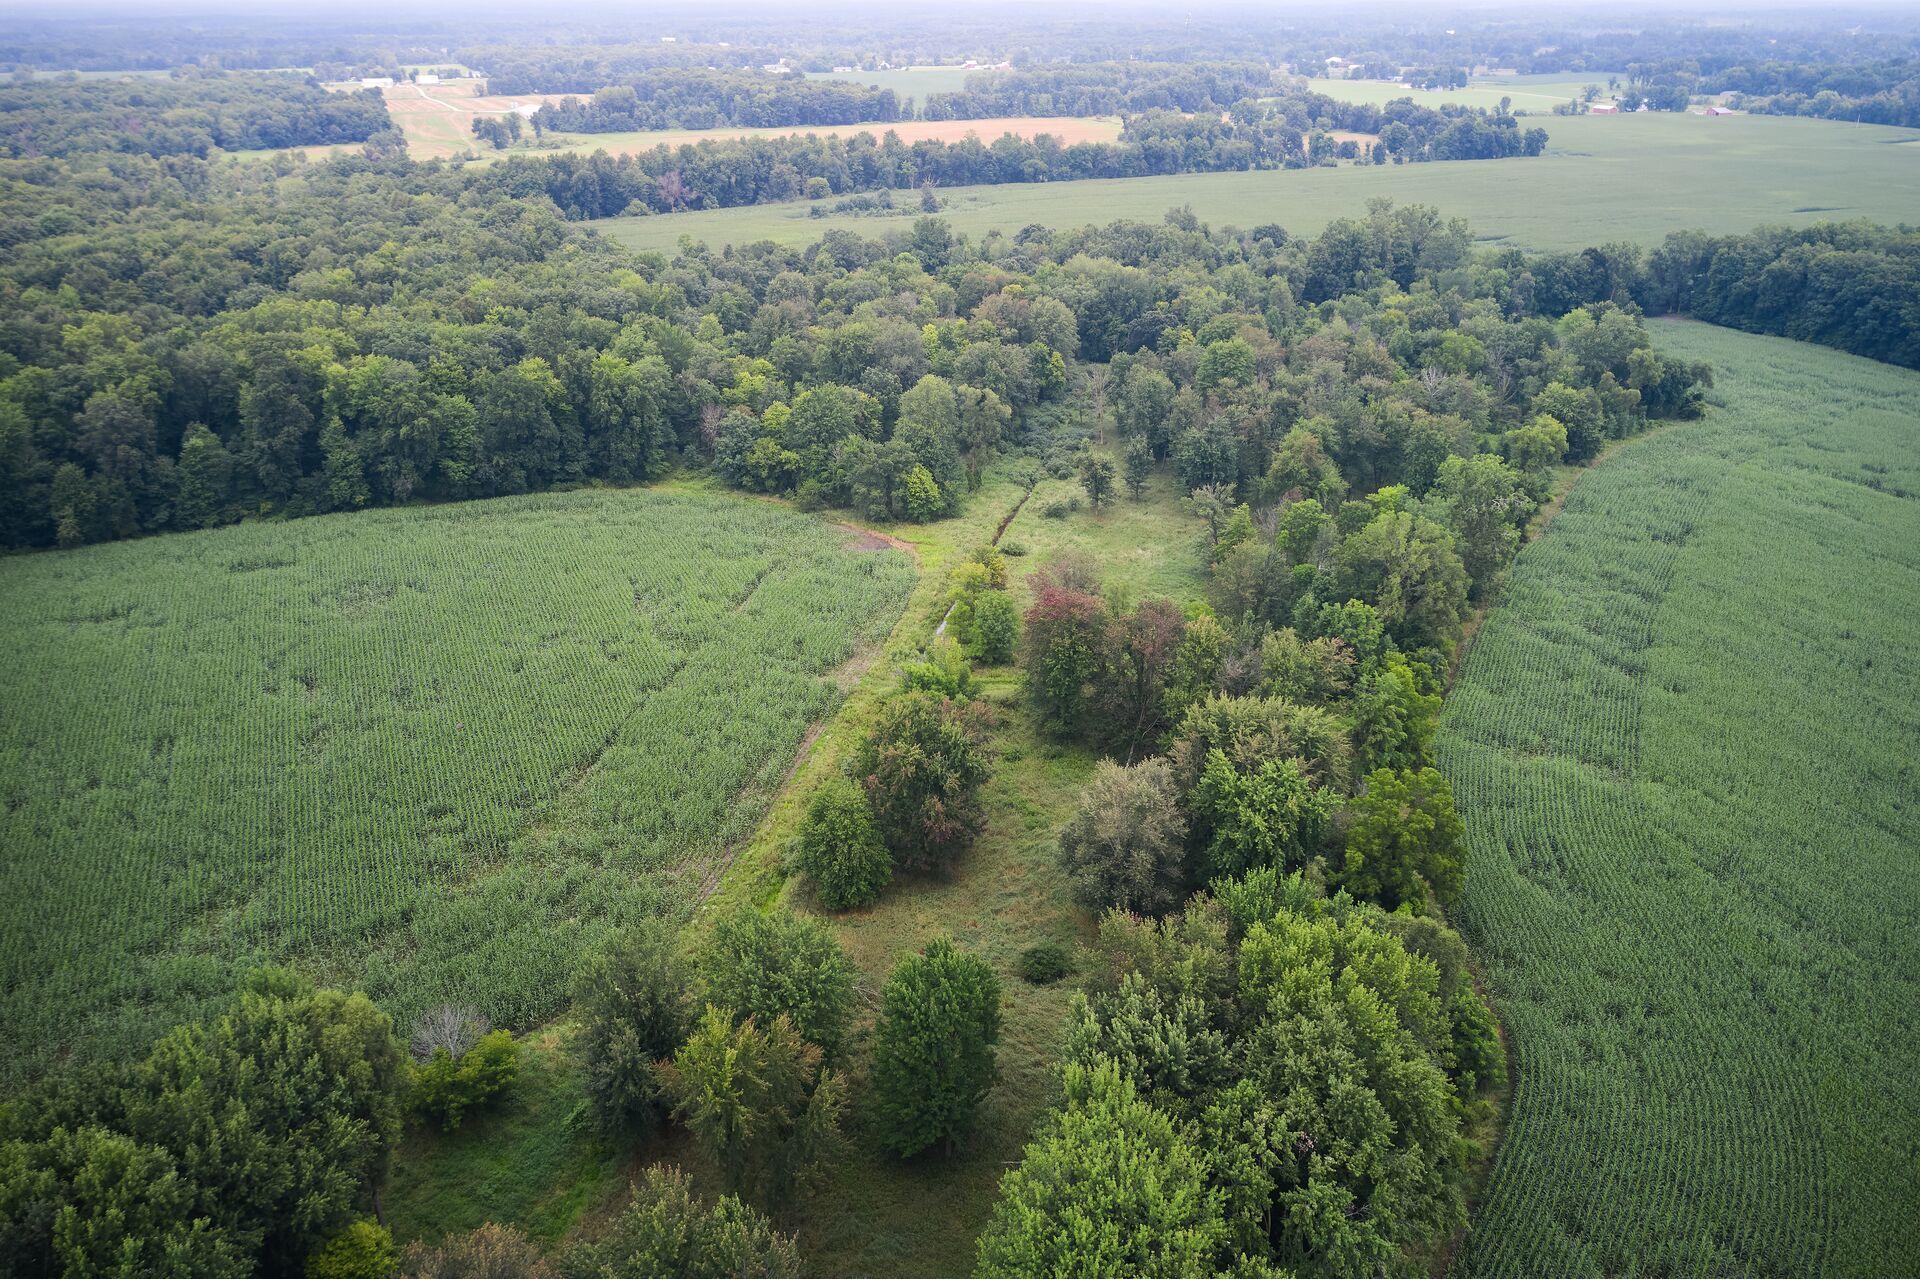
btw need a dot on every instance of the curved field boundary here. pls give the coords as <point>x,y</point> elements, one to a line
<point>1687,750</point>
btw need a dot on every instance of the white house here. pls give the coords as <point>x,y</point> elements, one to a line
<point>376,82</point>
<point>426,77</point>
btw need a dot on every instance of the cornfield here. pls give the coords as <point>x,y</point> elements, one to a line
<point>431,753</point>
<point>1687,752</point>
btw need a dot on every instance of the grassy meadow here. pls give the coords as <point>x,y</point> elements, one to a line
<point>1603,179</point>
<point>1685,752</point>
<point>427,752</point>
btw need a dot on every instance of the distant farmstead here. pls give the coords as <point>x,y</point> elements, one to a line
<point>1604,108</point>
<point>376,82</point>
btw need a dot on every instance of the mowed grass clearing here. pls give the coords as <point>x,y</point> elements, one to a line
<point>1687,753</point>
<point>429,753</point>
<point>1603,179</point>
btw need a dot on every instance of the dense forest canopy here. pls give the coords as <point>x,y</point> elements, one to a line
<point>183,114</point>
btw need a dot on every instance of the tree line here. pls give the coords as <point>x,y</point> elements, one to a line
<point>1886,92</point>
<point>698,98</point>
<point>181,115</point>
<point>727,173</point>
<point>1101,88</point>
<point>1849,285</point>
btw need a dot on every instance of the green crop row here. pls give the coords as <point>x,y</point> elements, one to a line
<point>1685,750</point>
<point>428,752</point>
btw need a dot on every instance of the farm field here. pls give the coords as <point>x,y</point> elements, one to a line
<point>425,752</point>
<point>1529,94</point>
<point>907,82</point>
<point>1602,179</point>
<point>1685,753</point>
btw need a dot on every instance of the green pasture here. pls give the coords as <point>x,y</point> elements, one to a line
<point>1529,94</point>
<point>1603,179</point>
<point>1687,752</point>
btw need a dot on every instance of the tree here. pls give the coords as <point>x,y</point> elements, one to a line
<point>635,1010</point>
<point>665,1233</point>
<point>1096,477</point>
<point>489,1252</point>
<point>1125,847</point>
<point>205,480</point>
<point>1195,670</point>
<point>1069,644</point>
<point>996,628</point>
<point>238,1145</point>
<point>758,1100</point>
<point>1407,567</point>
<point>1131,696</point>
<point>1309,672</point>
<point>1485,505</point>
<point>924,501</point>
<point>840,849</point>
<point>933,1046</point>
<point>1404,840</point>
<point>779,964</point>
<point>1394,718</point>
<point>1139,466</point>
<point>1267,815</point>
<point>922,766</point>
<point>1109,1188</point>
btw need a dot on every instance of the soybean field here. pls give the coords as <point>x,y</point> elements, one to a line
<point>429,752</point>
<point>1687,753</point>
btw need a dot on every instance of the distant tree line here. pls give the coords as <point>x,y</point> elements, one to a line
<point>181,115</point>
<point>705,99</point>
<point>1101,88</point>
<point>1865,93</point>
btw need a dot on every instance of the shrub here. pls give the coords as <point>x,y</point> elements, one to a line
<point>1126,845</point>
<point>996,628</point>
<point>1045,963</point>
<point>490,1252</point>
<point>840,849</point>
<point>933,1049</point>
<point>633,998</point>
<point>781,965</point>
<point>944,672</point>
<point>1013,547</point>
<point>447,1087</point>
<point>364,1250</point>
<point>665,1234</point>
